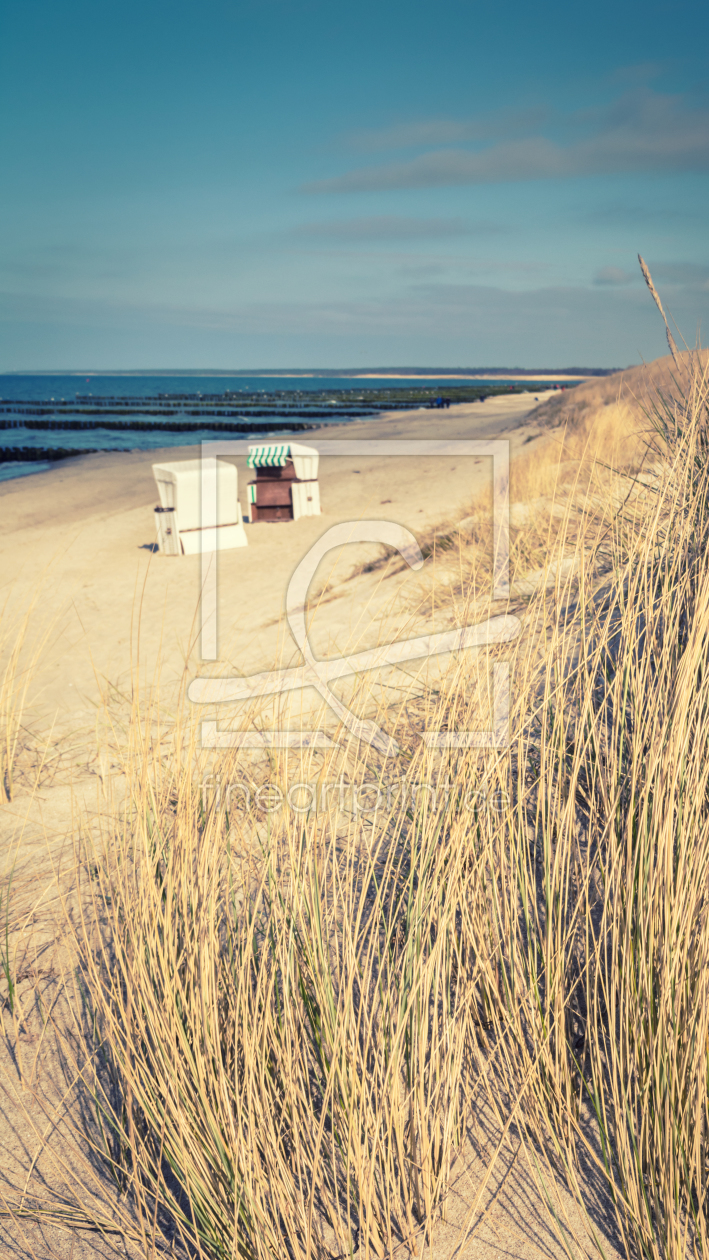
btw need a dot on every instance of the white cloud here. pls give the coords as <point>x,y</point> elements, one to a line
<point>642,131</point>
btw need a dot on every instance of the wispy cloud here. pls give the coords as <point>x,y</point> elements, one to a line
<point>690,275</point>
<point>613,275</point>
<point>686,275</point>
<point>621,213</point>
<point>434,131</point>
<point>429,323</point>
<point>642,131</point>
<point>389,227</point>
<point>427,306</point>
<point>640,72</point>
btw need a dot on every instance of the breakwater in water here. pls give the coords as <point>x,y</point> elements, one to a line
<point>38,454</point>
<point>180,411</point>
<point>47,418</point>
<point>78,424</point>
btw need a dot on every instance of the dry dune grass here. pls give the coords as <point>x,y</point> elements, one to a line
<point>18,664</point>
<point>614,435</point>
<point>24,636</point>
<point>590,408</point>
<point>293,1000</point>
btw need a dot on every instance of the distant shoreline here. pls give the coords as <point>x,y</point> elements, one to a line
<point>394,374</point>
<point>490,376</point>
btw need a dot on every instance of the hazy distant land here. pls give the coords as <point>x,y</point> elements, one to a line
<point>396,373</point>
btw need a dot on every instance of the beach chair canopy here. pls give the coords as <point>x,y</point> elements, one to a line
<point>276,455</point>
<point>269,456</point>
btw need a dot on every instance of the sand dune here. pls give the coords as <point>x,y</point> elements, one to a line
<point>635,387</point>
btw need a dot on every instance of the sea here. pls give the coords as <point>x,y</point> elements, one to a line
<point>44,418</point>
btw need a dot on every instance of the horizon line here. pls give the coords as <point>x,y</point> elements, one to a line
<point>309,372</point>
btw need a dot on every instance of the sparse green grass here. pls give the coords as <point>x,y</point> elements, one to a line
<point>6,967</point>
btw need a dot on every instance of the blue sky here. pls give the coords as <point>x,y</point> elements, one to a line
<point>292,183</point>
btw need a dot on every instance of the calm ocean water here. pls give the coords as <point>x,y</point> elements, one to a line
<point>43,415</point>
<point>70,386</point>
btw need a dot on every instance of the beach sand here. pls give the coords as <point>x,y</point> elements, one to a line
<point>83,534</point>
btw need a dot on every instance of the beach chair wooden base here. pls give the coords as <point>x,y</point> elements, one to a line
<point>271,512</point>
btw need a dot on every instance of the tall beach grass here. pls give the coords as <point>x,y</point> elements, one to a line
<point>16,672</point>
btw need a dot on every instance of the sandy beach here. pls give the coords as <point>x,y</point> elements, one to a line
<point>82,535</point>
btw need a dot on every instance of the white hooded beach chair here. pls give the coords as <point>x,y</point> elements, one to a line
<point>286,485</point>
<point>182,528</point>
